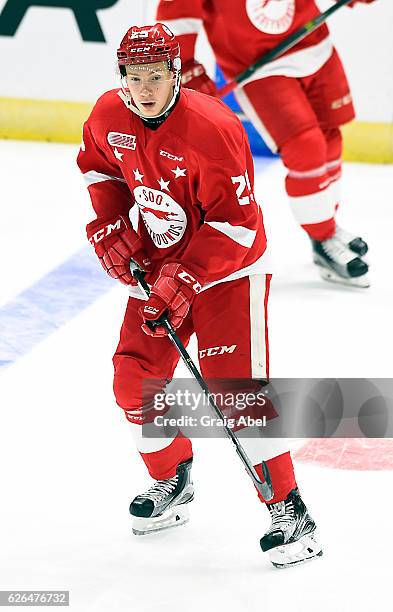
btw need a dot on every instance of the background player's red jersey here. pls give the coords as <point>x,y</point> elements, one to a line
<point>296,102</point>
<point>240,31</point>
<point>191,181</point>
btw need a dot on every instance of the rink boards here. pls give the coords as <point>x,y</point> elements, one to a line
<point>61,121</point>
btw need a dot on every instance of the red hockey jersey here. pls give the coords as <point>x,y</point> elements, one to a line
<point>241,31</point>
<point>190,181</point>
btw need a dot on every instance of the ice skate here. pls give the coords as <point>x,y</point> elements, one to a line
<point>337,263</point>
<point>290,538</point>
<point>165,504</point>
<point>352,242</point>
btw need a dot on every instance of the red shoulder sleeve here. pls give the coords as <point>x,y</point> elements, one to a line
<point>185,19</point>
<point>107,187</point>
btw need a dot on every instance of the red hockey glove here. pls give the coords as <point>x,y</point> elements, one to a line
<point>194,77</point>
<point>352,4</point>
<point>115,243</point>
<point>172,293</point>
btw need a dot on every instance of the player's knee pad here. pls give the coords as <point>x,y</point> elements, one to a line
<point>334,151</point>
<point>334,143</point>
<point>147,413</point>
<point>139,396</point>
<point>305,151</point>
<point>305,156</point>
<point>243,402</point>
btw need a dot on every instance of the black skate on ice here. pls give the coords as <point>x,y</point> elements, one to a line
<point>290,538</point>
<point>338,263</point>
<point>355,243</point>
<point>164,505</point>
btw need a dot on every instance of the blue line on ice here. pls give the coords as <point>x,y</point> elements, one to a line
<point>50,303</point>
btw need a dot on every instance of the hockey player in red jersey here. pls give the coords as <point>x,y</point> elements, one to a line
<point>297,103</point>
<point>170,176</point>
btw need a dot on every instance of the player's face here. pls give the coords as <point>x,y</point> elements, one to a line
<point>151,87</point>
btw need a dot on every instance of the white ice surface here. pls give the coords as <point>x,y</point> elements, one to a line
<point>69,468</point>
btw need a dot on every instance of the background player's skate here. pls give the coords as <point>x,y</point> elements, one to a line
<point>164,505</point>
<point>337,261</point>
<point>353,242</point>
<point>290,538</point>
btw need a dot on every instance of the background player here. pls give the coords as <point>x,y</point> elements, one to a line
<point>297,103</point>
<point>181,161</point>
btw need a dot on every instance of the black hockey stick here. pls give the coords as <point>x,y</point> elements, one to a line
<point>264,487</point>
<point>282,47</point>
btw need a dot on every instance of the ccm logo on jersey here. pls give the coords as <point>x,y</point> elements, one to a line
<point>105,231</point>
<point>341,102</point>
<point>190,280</point>
<point>216,350</point>
<point>170,156</point>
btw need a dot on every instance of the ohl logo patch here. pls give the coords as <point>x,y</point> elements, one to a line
<point>165,220</point>
<point>271,16</point>
<point>123,141</point>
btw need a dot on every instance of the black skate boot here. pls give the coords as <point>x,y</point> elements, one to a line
<point>164,505</point>
<point>337,263</point>
<point>355,243</point>
<point>290,538</point>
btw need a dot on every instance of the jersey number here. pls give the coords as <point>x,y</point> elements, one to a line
<point>243,190</point>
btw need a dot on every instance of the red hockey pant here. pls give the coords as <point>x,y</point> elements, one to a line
<point>227,315</point>
<point>300,118</point>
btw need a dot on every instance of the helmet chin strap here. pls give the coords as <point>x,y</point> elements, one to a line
<point>129,101</point>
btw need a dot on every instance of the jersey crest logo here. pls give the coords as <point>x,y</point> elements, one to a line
<point>164,218</point>
<point>271,16</point>
<point>123,141</point>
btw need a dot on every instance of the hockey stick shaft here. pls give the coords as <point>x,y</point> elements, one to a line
<point>264,487</point>
<point>282,47</point>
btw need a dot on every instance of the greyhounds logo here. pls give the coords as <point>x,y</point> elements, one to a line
<point>165,220</point>
<point>271,16</point>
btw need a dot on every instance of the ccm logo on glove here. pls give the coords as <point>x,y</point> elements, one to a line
<point>187,278</point>
<point>172,295</point>
<point>105,231</point>
<point>194,77</point>
<point>151,310</point>
<point>116,243</point>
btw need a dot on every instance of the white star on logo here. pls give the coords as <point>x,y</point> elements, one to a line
<point>163,184</point>
<point>179,172</point>
<point>118,155</point>
<point>138,176</point>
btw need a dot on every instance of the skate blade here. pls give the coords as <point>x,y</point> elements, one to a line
<point>305,549</point>
<point>179,515</point>
<point>331,276</point>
